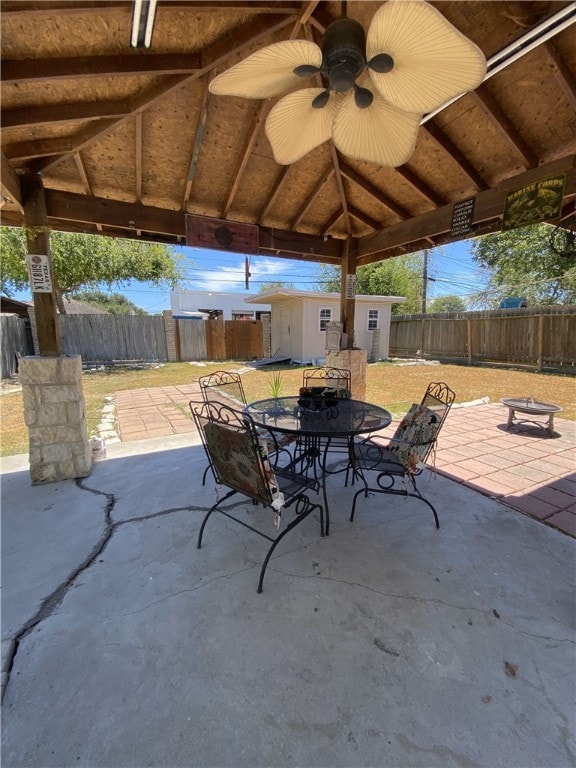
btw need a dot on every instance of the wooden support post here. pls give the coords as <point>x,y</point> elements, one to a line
<point>469,324</point>
<point>348,291</point>
<point>38,242</point>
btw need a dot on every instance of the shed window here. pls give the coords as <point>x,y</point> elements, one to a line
<point>325,315</point>
<point>373,316</point>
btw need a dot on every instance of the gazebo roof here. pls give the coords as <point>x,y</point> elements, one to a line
<point>128,141</point>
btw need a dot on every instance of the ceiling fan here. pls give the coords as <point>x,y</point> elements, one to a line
<point>411,61</point>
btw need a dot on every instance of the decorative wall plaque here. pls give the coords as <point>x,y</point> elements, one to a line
<point>221,235</point>
<point>536,202</point>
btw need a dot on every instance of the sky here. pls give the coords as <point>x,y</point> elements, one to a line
<point>450,268</point>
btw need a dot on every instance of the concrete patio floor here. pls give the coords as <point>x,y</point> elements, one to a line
<point>523,467</point>
<point>387,643</point>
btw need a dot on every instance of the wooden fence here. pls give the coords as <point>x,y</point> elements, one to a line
<point>543,338</point>
<point>16,341</point>
<point>117,338</point>
<point>106,338</point>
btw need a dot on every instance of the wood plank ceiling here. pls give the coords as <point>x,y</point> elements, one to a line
<point>127,141</point>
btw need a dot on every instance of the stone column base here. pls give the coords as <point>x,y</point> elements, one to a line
<point>355,361</point>
<point>55,415</point>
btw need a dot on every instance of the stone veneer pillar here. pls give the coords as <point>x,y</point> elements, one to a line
<point>355,361</point>
<point>55,415</point>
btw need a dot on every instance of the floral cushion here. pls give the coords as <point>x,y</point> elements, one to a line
<point>411,441</point>
<point>238,465</point>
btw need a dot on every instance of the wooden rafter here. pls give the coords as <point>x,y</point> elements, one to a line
<point>563,75</point>
<point>28,70</point>
<point>457,156</point>
<point>489,206</point>
<point>312,197</point>
<point>495,114</point>
<point>332,221</point>
<point>419,184</point>
<point>198,136</point>
<point>274,194</point>
<point>138,155</point>
<point>215,56</point>
<point>64,113</point>
<point>364,218</point>
<point>374,192</point>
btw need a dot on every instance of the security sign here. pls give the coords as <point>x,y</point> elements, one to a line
<point>39,273</point>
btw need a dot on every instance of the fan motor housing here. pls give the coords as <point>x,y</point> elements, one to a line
<point>343,58</point>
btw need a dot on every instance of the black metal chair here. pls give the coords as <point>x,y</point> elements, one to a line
<point>339,379</point>
<point>405,455</point>
<point>223,387</point>
<point>239,460</point>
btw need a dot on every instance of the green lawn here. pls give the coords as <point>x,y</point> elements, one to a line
<point>394,386</point>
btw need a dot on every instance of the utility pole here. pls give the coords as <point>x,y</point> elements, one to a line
<point>424,281</point>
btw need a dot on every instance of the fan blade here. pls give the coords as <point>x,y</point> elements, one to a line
<point>294,127</point>
<point>433,61</point>
<point>379,133</point>
<point>268,72</point>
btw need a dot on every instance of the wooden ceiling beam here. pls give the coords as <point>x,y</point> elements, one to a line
<point>353,176</point>
<point>420,185</point>
<point>82,210</point>
<point>138,155</point>
<point>64,113</point>
<point>244,37</point>
<point>364,218</point>
<point>332,221</point>
<point>563,75</point>
<point>65,8</point>
<point>340,185</point>
<point>489,205</point>
<point>257,121</point>
<point>62,147</point>
<point>198,136</point>
<point>492,110</point>
<point>451,149</point>
<point>276,189</point>
<point>122,65</point>
<point>10,182</point>
<point>312,197</point>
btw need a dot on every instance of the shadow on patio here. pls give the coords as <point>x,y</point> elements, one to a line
<point>388,643</point>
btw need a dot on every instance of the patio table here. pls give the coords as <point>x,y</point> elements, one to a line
<point>317,422</point>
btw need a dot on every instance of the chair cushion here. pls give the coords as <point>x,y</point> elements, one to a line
<point>234,457</point>
<point>411,441</point>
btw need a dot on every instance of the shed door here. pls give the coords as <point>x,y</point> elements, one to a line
<point>285,322</point>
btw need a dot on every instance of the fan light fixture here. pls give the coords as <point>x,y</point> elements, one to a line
<point>416,61</point>
<point>143,14</point>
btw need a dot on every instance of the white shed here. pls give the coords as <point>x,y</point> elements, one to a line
<point>299,321</point>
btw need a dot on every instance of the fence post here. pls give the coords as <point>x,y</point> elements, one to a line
<point>170,331</point>
<point>33,328</point>
<point>469,341</point>
<point>540,354</point>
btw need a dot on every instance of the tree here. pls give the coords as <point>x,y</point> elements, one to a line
<point>115,303</point>
<point>400,276</point>
<point>273,285</point>
<point>88,261</point>
<point>447,304</point>
<point>521,263</point>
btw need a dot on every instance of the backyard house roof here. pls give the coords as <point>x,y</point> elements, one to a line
<point>285,293</point>
<point>129,142</point>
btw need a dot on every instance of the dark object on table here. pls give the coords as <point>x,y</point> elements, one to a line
<point>239,459</point>
<point>531,407</point>
<point>404,457</point>
<point>338,379</point>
